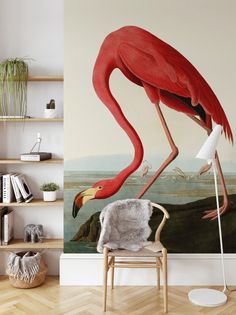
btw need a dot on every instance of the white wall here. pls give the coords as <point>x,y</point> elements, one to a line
<point>34,29</point>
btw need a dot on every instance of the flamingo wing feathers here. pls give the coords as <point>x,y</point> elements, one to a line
<point>177,76</point>
<point>145,66</point>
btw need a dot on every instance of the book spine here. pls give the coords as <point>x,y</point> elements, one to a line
<point>2,212</point>
<point>1,192</point>
<point>7,189</point>
<point>4,188</point>
<point>23,187</point>
<point>30,158</point>
<point>7,228</point>
<point>1,228</point>
<point>40,156</point>
<point>16,190</point>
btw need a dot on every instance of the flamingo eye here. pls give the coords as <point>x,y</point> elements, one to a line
<point>100,187</point>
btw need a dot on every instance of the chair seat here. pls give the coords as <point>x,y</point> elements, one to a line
<point>143,252</point>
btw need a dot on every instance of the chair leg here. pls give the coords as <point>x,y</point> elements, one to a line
<point>105,253</point>
<point>158,273</point>
<point>164,269</point>
<point>112,273</point>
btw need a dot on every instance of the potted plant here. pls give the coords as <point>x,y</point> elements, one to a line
<point>50,110</point>
<point>49,191</point>
<point>13,87</point>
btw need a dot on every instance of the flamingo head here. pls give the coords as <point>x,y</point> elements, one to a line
<point>100,190</point>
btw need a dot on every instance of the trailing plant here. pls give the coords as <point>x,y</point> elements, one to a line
<point>13,87</point>
<point>49,187</point>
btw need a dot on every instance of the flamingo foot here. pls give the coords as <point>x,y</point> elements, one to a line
<point>212,214</point>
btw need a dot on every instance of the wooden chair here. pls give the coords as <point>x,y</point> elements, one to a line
<point>159,260</point>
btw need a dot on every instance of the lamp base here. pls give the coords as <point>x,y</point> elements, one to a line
<point>207,297</point>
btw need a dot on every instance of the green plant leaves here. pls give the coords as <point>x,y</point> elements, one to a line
<point>13,87</point>
<point>49,187</point>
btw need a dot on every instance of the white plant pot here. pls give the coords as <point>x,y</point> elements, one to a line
<point>49,195</point>
<point>50,113</point>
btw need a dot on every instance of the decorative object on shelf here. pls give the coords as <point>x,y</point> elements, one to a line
<point>13,87</point>
<point>49,191</point>
<point>26,269</point>
<point>33,233</point>
<point>209,297</point>
<point>36,155</point>
<point>50,110</point>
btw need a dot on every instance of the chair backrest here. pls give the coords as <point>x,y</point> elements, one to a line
<point>161,225</point>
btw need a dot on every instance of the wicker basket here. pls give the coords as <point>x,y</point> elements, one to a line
<point>38,280</point>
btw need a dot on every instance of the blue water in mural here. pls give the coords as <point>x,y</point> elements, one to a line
<point>173,187</point>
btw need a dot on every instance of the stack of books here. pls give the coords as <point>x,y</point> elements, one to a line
<point>36,156</point>
<point>6,225</point>
<point>13,187</point>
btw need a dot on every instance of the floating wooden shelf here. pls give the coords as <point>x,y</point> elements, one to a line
<point>17,161</point>
<point>23,120</point>
<point>46,244</point>
<point>46,78</point>
<point>34,203</point>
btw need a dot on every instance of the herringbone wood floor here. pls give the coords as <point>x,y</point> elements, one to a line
<point>51,299</point>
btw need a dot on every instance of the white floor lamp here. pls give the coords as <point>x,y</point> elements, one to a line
<point>210,297</point>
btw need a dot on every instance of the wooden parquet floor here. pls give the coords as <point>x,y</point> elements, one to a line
<point>51,299</point>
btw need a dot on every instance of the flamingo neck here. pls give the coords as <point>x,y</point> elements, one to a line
<point>101,77</point>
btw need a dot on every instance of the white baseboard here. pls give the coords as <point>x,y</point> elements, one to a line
<point>183,269</point>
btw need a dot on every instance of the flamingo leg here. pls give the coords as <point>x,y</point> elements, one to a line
<point>212,214</point>
<point>171,157</point>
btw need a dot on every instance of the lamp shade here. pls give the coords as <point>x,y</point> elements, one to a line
<point>207,151</point>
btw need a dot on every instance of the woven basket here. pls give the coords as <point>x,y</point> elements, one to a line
<point>38,280</point>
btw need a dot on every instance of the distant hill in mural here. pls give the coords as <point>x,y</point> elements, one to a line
<point>119,161</point>
<point>185,232</point>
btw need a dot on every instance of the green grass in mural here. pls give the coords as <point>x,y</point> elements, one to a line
<point>80,247</point>
<point>185,231</point>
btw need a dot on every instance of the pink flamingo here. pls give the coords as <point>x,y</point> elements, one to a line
<point>166,76</point>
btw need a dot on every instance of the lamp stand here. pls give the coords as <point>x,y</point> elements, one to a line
<point>209,297</point>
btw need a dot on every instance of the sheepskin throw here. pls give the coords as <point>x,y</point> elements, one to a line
<point>24,268</point>
<point>124,224</point>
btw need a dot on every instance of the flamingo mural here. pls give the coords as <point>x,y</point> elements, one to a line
<point>167,77</point>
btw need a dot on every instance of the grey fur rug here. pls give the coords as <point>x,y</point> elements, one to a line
<point>124,224</point>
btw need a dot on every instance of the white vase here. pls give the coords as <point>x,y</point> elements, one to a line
<point>50,113</point>
<point>49,195</point>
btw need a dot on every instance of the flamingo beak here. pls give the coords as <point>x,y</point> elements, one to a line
<point>81,198</point>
